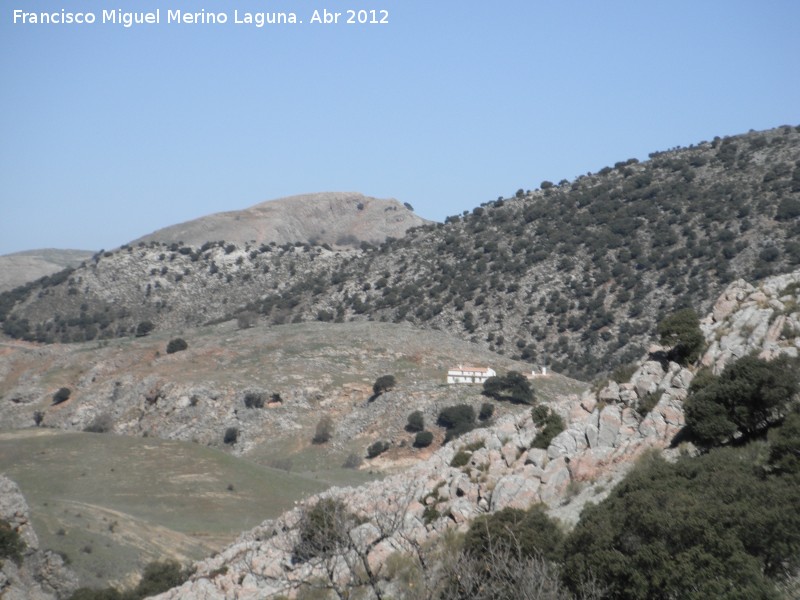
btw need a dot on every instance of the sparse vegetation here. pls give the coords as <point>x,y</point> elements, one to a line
<point>157,577</point>
<point>641,240</point>
<point>102,423</point>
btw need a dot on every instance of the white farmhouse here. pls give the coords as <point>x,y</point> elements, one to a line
<point>462,374</point>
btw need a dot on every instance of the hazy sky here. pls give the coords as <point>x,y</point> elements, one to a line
<point>108,133</point>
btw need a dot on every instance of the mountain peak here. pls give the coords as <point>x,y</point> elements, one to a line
<point>335,218</point>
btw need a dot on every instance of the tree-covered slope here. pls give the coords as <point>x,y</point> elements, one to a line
<point>574,275</point>
<point>577,274</point>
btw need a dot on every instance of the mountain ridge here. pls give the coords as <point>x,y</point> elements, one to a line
<point>574,274</point>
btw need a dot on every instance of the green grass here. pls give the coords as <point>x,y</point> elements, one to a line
<point>112,503</point>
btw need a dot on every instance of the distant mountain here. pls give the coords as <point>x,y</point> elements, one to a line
<point>21,267</point>
<point>333,218</point>
<point>574,274</point>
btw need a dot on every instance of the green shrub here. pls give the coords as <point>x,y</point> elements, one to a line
<point>353,461</point>
<point>176,345</point>
<point>377,448</point>
<point>159,577</point>
<point>423,439</point>
<point>648,402</point>
<point>705,527</point>
<point>681,332</point>
<point>530,532</point>
<point>785,444</point>
<point>254,400</point>
<point>551,425</point>
<point>416,422</point>
<point>231,435</point>
<point>102,423</point>
<point>11,545</point>
<point>746,398</point>
<point>109,593</point>
<point>323,530</point>
<point>324,430</point>
<point>461,458</point>
<point>143,328</point>
<point>430,514</point>
<point>62,395</point>
<point>486,412</point>
<point>458,420</point>
<point>456,415</point>
<point>383,384</point>
<point>513,386</point>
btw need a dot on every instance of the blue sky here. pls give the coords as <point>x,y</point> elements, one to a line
<point>108,133</point>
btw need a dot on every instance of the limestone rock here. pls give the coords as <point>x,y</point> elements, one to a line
<point>41,575</point>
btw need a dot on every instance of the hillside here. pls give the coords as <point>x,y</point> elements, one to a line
<point>271,384</point>
<point>577,274</point>
<point>401,539</point>
<point>574,274</point>
<point>22,267</point>
<point>159,487</point>
<point>333,218</point>
<point>110,504</point>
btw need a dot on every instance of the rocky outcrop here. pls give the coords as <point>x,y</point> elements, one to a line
<point>411,509</point>
<point>748,319</point>
<point>41,574</point>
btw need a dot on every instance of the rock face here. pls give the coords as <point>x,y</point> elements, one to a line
<point>747,319</point>
<point>416,507</point>
<point>41,575</point>
<point>605,432</point>
<point>335,218</point>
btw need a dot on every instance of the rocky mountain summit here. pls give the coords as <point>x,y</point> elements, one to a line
<point>39,574</point>
<point>606,431</point>
<point>333,218</point>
